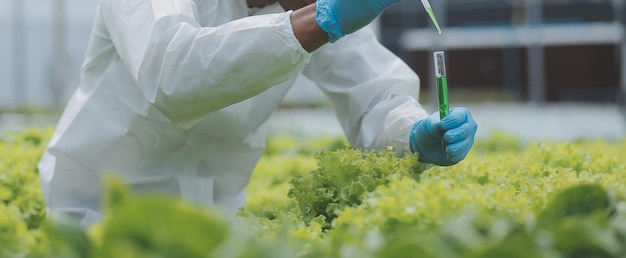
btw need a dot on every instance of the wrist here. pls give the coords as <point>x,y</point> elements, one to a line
<point>306,29</point>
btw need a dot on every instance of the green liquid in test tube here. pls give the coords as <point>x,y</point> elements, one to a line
<point>442,84</point>
<point>429,10</point>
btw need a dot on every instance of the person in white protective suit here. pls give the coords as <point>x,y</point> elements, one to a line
<point>175,96</point>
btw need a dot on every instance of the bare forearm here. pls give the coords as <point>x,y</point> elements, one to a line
<point>306,29</point>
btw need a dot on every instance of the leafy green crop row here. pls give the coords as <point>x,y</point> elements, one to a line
<point>315,198</point>
<point>22,209</point>
<point>506,199</point>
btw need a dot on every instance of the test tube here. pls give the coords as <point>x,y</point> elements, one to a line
<point>442,84</point>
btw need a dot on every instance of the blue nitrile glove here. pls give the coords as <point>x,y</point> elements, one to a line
<point>457,130</point>
<point>341,17</point>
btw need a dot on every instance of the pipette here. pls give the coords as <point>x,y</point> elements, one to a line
<point>442,84</point>
<point>429,10</point>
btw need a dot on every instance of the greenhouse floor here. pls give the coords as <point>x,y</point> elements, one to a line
<point>558,122</point>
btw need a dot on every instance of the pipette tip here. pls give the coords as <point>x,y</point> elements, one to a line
<point>432,17</point>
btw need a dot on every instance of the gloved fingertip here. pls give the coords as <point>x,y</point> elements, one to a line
<point>449,137</point>
<point>457,158</point>
<point>453,120</point>
<point>463,110</point>
<point>451,150</point>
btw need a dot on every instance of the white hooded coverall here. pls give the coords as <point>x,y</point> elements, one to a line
<point>175,95</point>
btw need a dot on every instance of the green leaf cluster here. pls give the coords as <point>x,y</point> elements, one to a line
<point>22,208</point>
<point>571,225</point>
<point>342,179</point>
<point>505,199</point>
<point>158,226</point>
<point>317,198</point>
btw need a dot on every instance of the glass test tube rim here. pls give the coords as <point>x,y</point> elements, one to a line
<point>440,64</point>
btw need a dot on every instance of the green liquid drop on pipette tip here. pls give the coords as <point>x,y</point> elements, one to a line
<point>432,17</point>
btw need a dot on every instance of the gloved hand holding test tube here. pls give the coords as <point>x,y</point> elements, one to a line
<point>445,137</point>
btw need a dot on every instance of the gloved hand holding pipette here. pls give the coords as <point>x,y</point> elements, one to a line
<point>456,130</point>
<point>341,17</point>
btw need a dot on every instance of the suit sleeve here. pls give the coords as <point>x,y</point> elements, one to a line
<point>187,70</point>
<point>373,92</point>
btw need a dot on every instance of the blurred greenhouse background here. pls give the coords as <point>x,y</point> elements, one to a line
<point>551,69</point>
